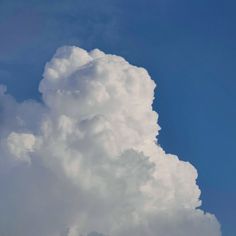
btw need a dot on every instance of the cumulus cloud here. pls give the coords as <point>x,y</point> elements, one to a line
<point>86,161</point>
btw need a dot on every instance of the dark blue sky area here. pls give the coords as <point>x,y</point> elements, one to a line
<point>188,47</point>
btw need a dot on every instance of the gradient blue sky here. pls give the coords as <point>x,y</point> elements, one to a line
<point>187,46</point>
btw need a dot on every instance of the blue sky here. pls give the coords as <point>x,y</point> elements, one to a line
<point>187,46</point>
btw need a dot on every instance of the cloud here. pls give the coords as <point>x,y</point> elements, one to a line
<point>86,161</point>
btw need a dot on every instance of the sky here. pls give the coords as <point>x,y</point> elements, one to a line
<point>188,47</point>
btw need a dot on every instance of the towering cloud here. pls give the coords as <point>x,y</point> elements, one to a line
<point>86,161</point>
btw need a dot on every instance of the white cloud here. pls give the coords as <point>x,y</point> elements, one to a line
<point>95,166</point>
<point>20,145</point>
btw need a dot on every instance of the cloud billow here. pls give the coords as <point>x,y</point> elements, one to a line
<point>86,161</point>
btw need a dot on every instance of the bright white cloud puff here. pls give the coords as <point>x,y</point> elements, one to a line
<point>86,161</point>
